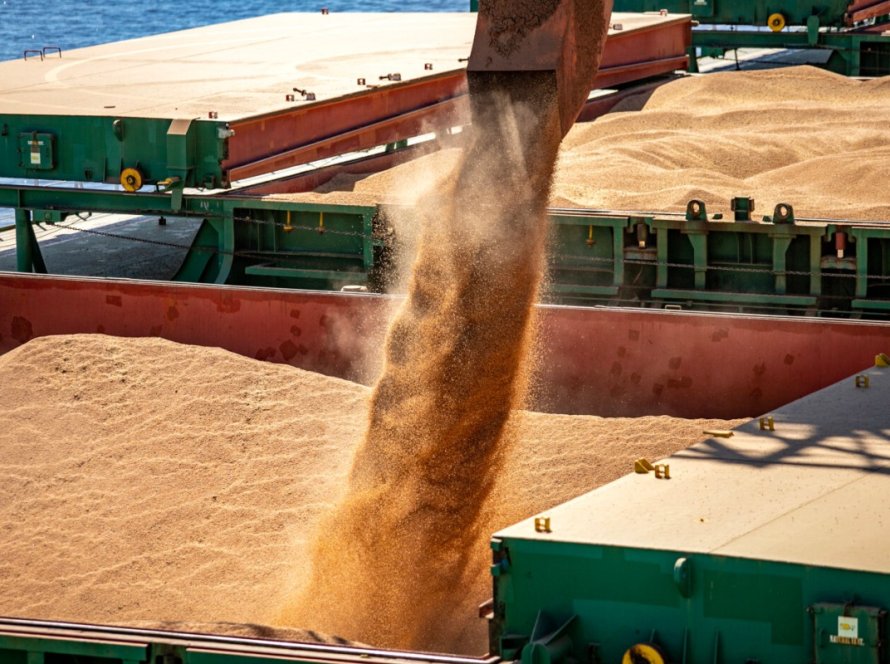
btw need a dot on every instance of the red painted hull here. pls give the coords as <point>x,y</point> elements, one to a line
<point>594,360</point>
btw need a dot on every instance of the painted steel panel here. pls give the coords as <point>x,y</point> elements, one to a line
<point>602,361</point>
<point>810,489</point>
<point>734,610</point>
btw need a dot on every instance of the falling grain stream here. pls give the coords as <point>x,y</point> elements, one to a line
<point>388,563</point>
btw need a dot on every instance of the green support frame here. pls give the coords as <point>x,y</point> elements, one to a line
<point>851,54</point>
<point>241,240</point>
<point>697,261</point>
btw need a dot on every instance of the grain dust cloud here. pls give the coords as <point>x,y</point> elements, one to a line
<point>389,561</point>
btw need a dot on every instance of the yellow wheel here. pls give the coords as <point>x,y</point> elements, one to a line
<point>776,22</point>
<point>131,179</point>
<point>643,653</point>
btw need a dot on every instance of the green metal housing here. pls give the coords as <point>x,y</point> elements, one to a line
<point>700,261</point>
<point>695,608</point>
<point>745,12</point>
<point>779,264</point>
<point>826,22</point>
<point>98,149</point>
<point>849,53</point>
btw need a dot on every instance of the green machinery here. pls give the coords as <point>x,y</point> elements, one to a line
<point>847,32</point>
<point>184,153</point>
<point>834,27</point>
<point>239,240</point>
<point>762,544</point>
<point>697,260</point>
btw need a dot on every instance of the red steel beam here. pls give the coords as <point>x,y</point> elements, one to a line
<point>869,11</point>
<point>619,75</point>
<point>311,180</point>
<point>390,113</point>
<point>599,106</point>
<point>442,114</point>
<point>267,135</point>
<point>659,41</point>
<point>618,362</point>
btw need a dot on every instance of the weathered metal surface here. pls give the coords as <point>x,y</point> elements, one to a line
<point>321,332</point>
<point>314,178</point>
<point>632,361</point>
<point>639,38</point>
<point>599,361</point>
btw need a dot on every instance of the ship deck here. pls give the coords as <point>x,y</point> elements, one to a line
<point>814,491</point>
<point>247,68</point>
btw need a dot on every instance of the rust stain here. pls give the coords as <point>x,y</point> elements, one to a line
<point>288,350</point>
<point>633,335</point>
<point>635,378</point>
<point>789,359</point>
<point>675,362</point>
<point>759,369</point>
<point>657,389</point>
<point>325,322</point>
<point>21,329</point>
<point>295,331</point>
<point>616,369</point>
<point>228,304</point>
<point>683,383</point>
<point>719,335</point>
<point>172,313</point>
<point>622,351</point>
<point>114,300</point>
<point>294,313</point>
<point>265,353</point>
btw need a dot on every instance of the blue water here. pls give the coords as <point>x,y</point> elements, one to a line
<point>26,24</point>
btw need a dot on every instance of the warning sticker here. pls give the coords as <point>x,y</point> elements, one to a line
<point>35,152</point>
<point>847,632</point>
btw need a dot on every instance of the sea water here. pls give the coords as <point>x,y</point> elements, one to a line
<point>33,24</point>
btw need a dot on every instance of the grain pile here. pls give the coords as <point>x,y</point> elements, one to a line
<point>800,135</point>
<point>804,136</point>
<point>391,557</point>
<point>142,480</point>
